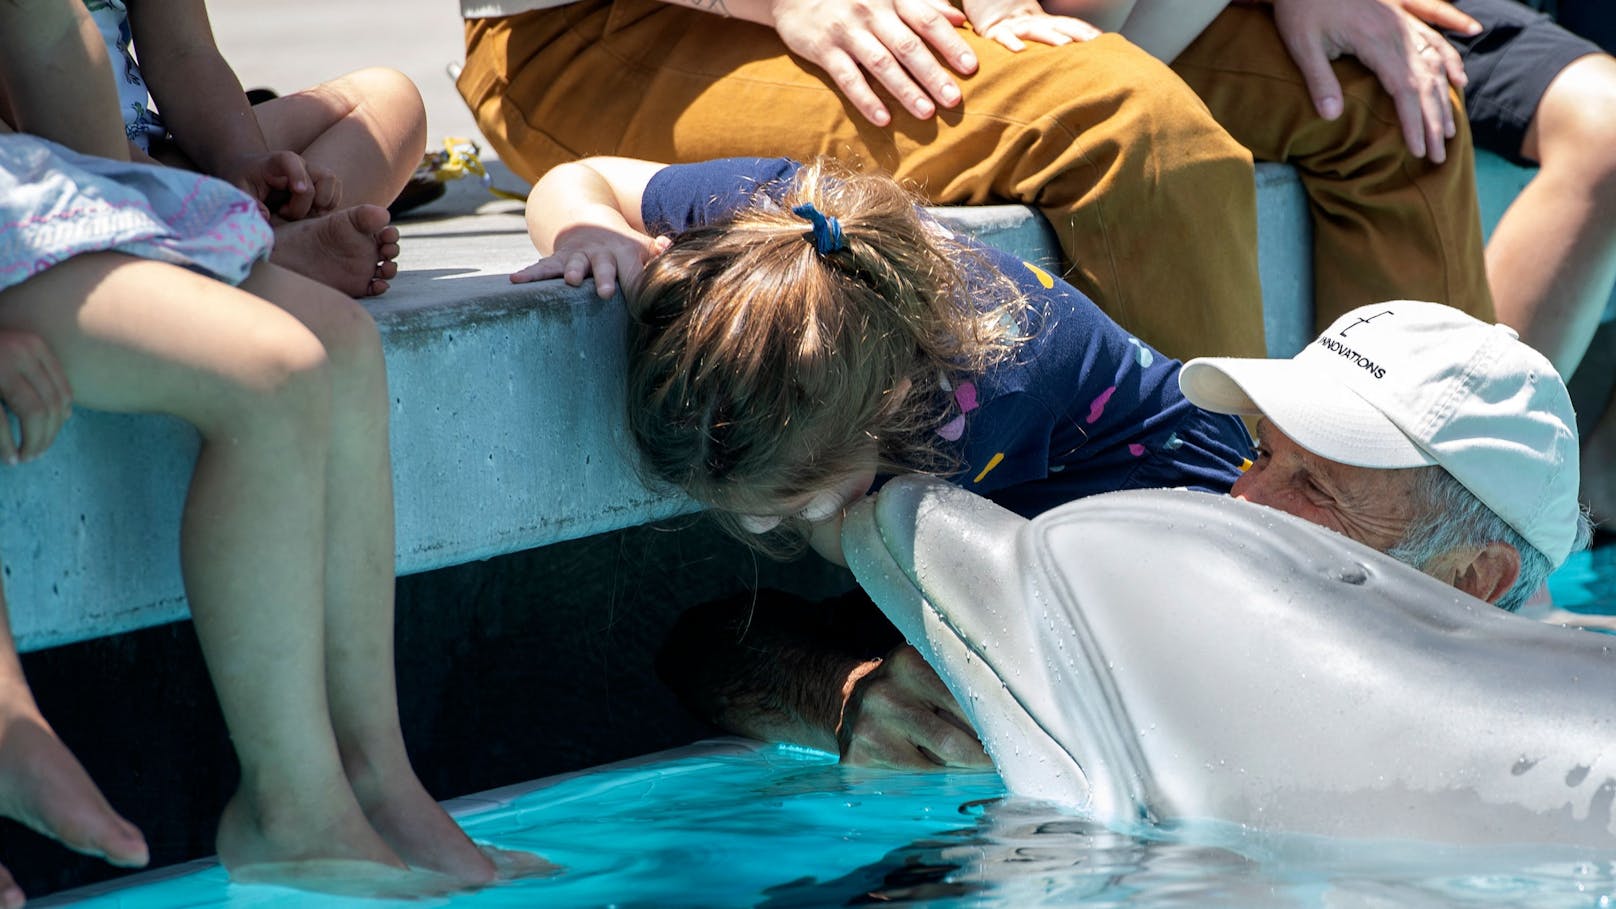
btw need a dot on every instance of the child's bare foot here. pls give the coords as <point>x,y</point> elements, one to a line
<point>315,841</point>
<point>352,250</point>
<point>514,865</point>
<point>43,785</point>
<point>346,877</point>
<point>415,825</point>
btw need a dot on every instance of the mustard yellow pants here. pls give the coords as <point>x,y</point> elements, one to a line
<point>1152,200</point>
<point>1386,225</point>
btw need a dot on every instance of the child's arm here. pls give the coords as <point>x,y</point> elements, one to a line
<point>34,388</point>
<point>585,218</point>
<point>204,107</point>
<point>55,75</point>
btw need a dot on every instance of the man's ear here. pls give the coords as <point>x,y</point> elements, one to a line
<point>1489,572</point>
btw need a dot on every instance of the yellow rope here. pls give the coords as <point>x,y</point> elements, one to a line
<point>459,159</point>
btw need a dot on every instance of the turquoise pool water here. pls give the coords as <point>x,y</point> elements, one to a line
<point>722,824</point>
<point>728,824</point>
<point>1587,582</point>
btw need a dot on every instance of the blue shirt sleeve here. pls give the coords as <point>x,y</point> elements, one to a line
<point>684,196</point>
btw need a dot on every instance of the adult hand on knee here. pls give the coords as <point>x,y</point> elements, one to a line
<point>896,41</point>
<point>34,387</point>
<point>1414,63</point>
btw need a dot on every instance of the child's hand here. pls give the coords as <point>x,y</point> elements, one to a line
<point>286,185</point>
<point>614,255</point>
<point>1012,23</point>
<point>34,387</point>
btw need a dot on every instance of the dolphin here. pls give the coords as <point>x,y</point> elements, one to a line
<point>1164,655</point>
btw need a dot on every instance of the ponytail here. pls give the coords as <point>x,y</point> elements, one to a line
<point>767,353</point>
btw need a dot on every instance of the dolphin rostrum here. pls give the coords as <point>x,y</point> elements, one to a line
<point>1164,655</point>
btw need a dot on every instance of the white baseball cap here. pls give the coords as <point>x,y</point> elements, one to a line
<point>1408,384</point>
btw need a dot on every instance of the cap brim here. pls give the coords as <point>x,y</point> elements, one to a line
<point>1317,411</point>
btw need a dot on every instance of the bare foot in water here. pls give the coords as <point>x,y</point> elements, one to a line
<point>319,842</point>
<point>515,865</point>
<point>352,250</point>
<point>44,786</point>
<point>415,825</point>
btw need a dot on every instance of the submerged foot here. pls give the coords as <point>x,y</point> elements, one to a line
<point>352,250</point>
<point>418,828</point>
<point>346,877</point>
<point>324,845</point>
<point>515,865</point>
<point>43,785</point>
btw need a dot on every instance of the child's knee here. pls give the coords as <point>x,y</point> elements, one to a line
<point>391,95</point>
<point>348,333</point>
<point>280,379</point>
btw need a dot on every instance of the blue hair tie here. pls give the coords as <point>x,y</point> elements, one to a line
<point>827,230</point>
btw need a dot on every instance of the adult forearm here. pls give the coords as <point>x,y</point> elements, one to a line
<point>786,696</point>
<point>773,667</point>
<point>57,80</point>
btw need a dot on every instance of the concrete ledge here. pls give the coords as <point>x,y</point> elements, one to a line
<point>505,434</point>
<point>506,430</point>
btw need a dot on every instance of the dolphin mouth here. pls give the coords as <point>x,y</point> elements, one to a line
<point>941,563</point>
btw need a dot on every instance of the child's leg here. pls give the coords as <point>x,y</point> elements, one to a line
<point>143,336</point>
<point>368,127</point>
<point>43,785</point>
<point>359,581</point>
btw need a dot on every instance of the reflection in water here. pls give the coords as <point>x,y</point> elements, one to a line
<point>1022,854</point>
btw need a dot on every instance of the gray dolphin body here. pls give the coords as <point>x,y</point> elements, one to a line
<point>1160,655</point>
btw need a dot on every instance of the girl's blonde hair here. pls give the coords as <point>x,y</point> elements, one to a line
<point>760,369</point>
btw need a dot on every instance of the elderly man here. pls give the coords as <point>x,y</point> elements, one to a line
<point>1418,431</point>
<point>1411,427</point>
